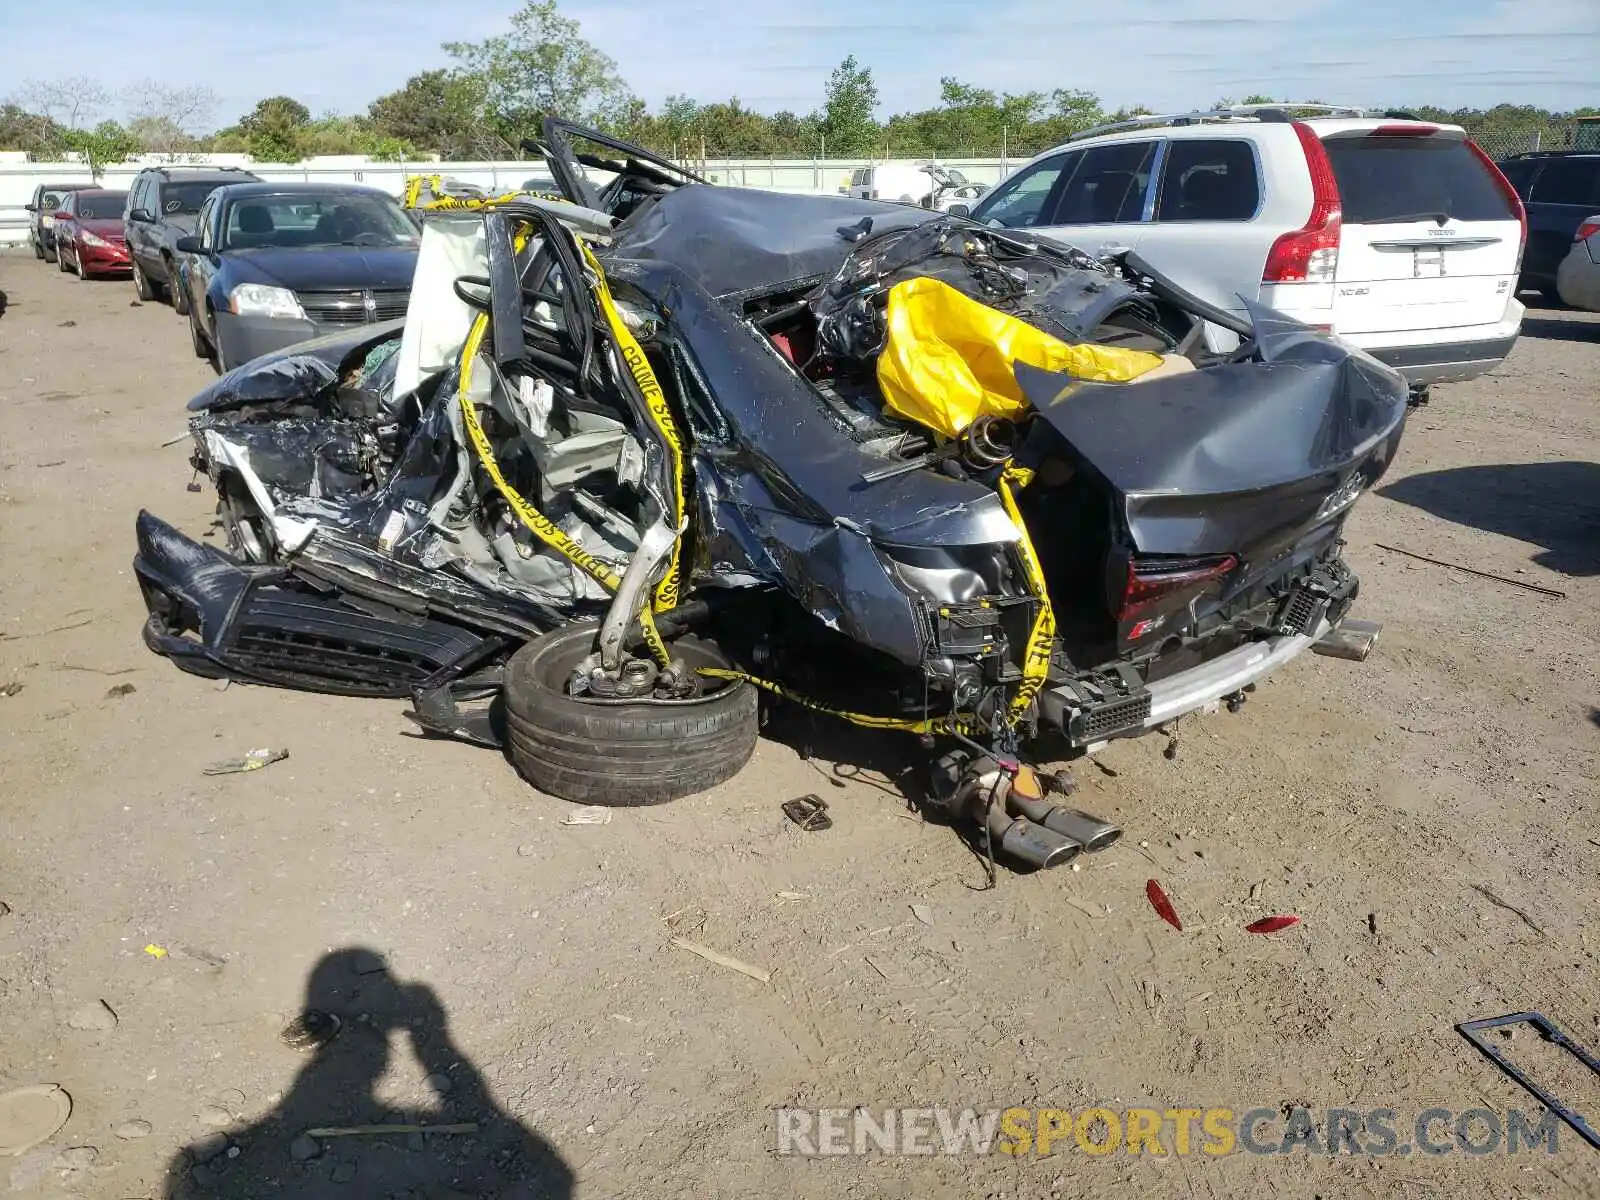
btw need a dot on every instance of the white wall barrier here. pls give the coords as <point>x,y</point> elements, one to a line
<point>19,179</point>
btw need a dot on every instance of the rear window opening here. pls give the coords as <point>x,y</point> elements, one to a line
<point>1395,179</point>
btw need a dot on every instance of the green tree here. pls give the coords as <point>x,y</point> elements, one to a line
<point>277,130</point>
<point>103,145</point>
<point>846,123</point>
<point>31,132</point>
<point>441,112</point>
<point>543,67</point>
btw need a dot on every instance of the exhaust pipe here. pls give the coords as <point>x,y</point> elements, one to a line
<point>1093,834</point>
<point>1088,833</point>
<point>1349,639</point>
<point>1033,844</point>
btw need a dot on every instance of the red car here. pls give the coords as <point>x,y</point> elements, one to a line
<point>89,233</point>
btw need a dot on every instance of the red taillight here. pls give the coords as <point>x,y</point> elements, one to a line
<point>1149,583</point>
<point>1404,131</point>
<point>1587,230</point>
<point>1311,253</point>
<point>1506,190</point>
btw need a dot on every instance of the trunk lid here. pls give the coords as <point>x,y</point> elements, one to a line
<point>1233,459</point>
<point>1432,232</point>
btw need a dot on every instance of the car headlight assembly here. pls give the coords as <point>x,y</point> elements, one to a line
<point>261,300</point>
<point>94,239</point>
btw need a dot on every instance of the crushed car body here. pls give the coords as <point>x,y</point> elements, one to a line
<point>882,462</point>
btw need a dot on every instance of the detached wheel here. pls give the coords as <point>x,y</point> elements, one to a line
<point>622,753</point>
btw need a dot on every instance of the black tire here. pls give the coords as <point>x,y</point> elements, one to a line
<point>48,253</point>
<point>61,260</point>
<point>83,271</point>
<point>38,249</point>
<point>198,339</point>
<point>141,283</point>
<point>621,753</point>
<point>175,292</point>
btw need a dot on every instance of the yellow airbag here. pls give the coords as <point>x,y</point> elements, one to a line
<point>947,358</point>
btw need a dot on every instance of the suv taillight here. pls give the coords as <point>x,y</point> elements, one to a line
<point>1506,190</point>
<point>1310,254</point>
<point>1586,231</point>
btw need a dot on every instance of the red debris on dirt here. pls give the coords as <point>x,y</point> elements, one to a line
<point>1271,924</point>
<point>1163,906</point>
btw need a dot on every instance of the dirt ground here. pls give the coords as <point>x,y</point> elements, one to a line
<point>531,983</point>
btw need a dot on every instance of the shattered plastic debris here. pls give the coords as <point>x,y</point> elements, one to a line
<point>253,761</point>
<point>589,814</point>
<point>155,951</point>
<point>1163,906</point>
<point>311,1030</point>
<point>1271,924</point>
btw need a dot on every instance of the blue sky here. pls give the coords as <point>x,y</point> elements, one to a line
<point>1170,54</point>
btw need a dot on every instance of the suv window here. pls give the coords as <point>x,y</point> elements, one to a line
<point>1019,201</point>
<point>186,195</point>
<point>1568,181</point>
<point>1399,178</point>
<point>1208,180</point>
<point>1108,187</point>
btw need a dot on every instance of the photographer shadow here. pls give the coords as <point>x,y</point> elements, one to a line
<point>498,1160</point>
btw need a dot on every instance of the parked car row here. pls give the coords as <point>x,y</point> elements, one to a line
<point>254,266</point>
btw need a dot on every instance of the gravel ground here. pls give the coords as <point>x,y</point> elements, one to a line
<point>494,965</point>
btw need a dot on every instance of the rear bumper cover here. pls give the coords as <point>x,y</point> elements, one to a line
<point>1446,362</point>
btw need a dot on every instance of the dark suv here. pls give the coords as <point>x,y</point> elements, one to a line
<point>162,205</point>
<point>41,216</point>
<point>1559,188</point>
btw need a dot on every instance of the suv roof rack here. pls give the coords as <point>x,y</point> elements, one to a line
<point>206,167</point>
<point>1276,112</point>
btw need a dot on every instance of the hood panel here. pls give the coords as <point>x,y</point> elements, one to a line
<point>733,240</point>
<point>324,268</point>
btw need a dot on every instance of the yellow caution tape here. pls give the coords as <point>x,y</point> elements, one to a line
<point>1036,655</point>
<point>900,724</point>
<point>660,414</point>
<point>535,521</point>
<point>412,197</point>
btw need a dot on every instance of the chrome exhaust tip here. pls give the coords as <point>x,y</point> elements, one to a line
<point>1093,834</point>
<point>1035,845</point>
<point>1350,639</point>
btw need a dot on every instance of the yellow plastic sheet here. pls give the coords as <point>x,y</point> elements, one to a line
<point>947,359</point>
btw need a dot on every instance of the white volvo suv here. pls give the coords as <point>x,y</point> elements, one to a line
<point>1397,235</point>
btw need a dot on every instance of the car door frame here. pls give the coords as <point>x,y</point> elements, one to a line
<point>1088,236</point>
<point>1252,237</point>
<point>138,232</point>
<point>204,266</point>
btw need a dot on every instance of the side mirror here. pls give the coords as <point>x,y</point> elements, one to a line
<point>189,245</point>
<point>959,210</point>
<point>31,207</point>
<point>140,216</point>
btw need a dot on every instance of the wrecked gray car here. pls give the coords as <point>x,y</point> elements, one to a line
<point>620,485</point>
